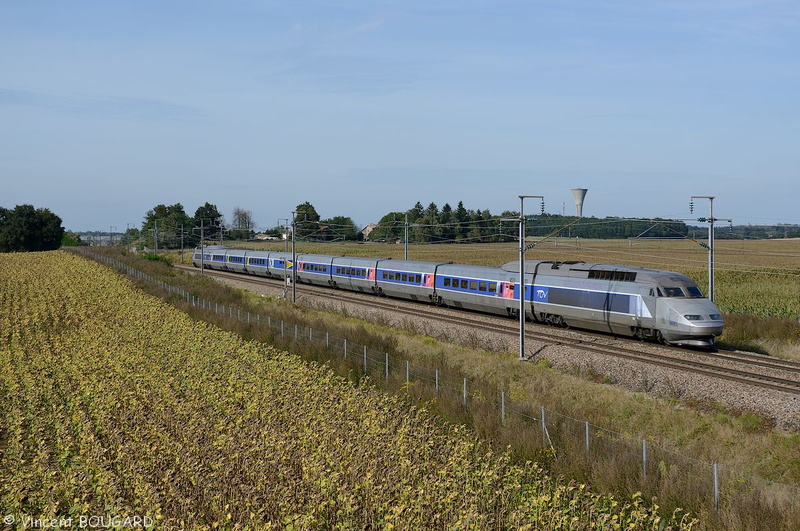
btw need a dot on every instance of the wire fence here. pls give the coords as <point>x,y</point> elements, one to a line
<point>650,465</point>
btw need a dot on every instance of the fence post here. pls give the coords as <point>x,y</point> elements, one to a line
<point>408,371</point>
<point>310,334</point>
<point>327,340</point>
<point>295,331</point>
<point>587,438</point>
<point>544,427</point>
<point>387,368</point>
<point>644,457</point>
<point>503,408</point>
<point>345,348</point>
<point>281,327</point>
<point>716,488</point>
<point>437,381</point>
<point>365,359</point>
<point>465,392</point>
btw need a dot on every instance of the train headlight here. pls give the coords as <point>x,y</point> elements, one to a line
<point>694,317</point>
<point>715,317</point>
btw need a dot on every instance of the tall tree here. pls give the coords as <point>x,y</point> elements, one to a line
<point>462,218</point>
<point>447,223</point>
<point>390,227</point>
<point>306,220</point>
<point>243,223</point>
<point>341,228</point>
<point>165,223</point>
<point>26,228</point>
<point>209,217</point>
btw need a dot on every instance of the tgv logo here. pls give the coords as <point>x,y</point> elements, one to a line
<point>541,293</point>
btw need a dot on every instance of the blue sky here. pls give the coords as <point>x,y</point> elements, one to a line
<point>366,107</point>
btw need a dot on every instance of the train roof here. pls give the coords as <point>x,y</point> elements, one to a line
<point>578,269</point>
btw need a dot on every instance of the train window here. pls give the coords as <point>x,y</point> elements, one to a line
<point>447,282</point>
<point>463,284</point>
<point>673,292</point>
<point>405,277</point>
<point>623,276</point>
<point>364,273</point>
<point>492,287</point>
<point>473,285</point>
<point>482,286</point>
<point>418,279</point>
<point>694,291</point>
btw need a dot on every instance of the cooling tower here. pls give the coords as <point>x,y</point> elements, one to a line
<point>579,194</point>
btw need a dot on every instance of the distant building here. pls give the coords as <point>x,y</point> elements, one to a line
<point>369,228</point>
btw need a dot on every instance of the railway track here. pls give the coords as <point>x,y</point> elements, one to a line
<point>741,367</point>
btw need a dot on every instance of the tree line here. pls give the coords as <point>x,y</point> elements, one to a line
<point>434,225</point>
<point>26,228</point>
<point>169,226</point>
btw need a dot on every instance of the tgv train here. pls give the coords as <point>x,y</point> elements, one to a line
<point>648,304</point>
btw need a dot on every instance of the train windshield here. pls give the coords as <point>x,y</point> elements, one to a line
<point>694,292</point>
<point>673,292</point>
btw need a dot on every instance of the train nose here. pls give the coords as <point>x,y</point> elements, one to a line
<point>691,322</point>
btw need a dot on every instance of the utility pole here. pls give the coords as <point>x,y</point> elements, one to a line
<point>294,259</point>
<point>285,233</point>
<point>111,230</point>
<point>522,271</point>
<point>710,245</point>
<point>155,236</point>
<point>202,246</point>
<point>128,232</point>
<point>406,229</point>
<point>181,243</point>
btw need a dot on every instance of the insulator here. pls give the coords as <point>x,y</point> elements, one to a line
<point>691,207</point>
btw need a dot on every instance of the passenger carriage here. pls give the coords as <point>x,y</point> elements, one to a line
<point>235,260</point>
<point>258,263</point>
<point>279,265</point>
<point>356,274</point>
<point>314,269</point>
<point>480,288</point>
<point>406,279</point>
